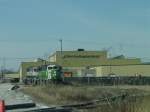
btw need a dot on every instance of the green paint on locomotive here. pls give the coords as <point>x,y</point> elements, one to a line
<point>42,72</point>
<point>42,75</point>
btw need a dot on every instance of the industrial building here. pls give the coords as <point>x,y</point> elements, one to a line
<point>123,70</point>
<point>80,59</point>
<point>89,58</point>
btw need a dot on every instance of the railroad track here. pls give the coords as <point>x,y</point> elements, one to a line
<point>86,105</point>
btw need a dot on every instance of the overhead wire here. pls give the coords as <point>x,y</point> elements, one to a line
<point>82,42</point>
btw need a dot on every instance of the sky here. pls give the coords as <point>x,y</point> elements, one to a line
<point>32,28</point>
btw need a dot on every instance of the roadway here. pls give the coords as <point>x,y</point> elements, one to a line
<point>16,97</point>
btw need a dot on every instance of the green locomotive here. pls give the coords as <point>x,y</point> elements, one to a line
<point>46,72</point>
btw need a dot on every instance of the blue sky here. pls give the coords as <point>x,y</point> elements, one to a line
<point>32,28</point>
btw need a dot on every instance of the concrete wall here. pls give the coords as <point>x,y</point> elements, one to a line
<point>123,70</point>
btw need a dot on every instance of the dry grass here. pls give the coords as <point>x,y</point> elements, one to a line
<point>60,95</point>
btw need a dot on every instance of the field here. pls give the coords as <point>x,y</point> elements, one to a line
<point>56,95</point>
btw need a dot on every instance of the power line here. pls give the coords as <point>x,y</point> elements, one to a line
<point>17,58</point>
<point>75,42</point>
<point>84,42</point>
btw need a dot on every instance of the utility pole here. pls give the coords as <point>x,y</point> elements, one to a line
<point>60,40</point>
<point>61,62</point>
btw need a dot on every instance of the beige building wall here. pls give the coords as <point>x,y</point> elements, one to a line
<point>88,58</point>
<point>13,75</point>
<point>80,71</point>
<point>123,70</point>
<point>52,58</point>
<point>121,61</point>
<point>96,62</point>
<point>69,55</point>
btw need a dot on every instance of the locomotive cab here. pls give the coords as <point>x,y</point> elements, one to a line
<point>54,72</point>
